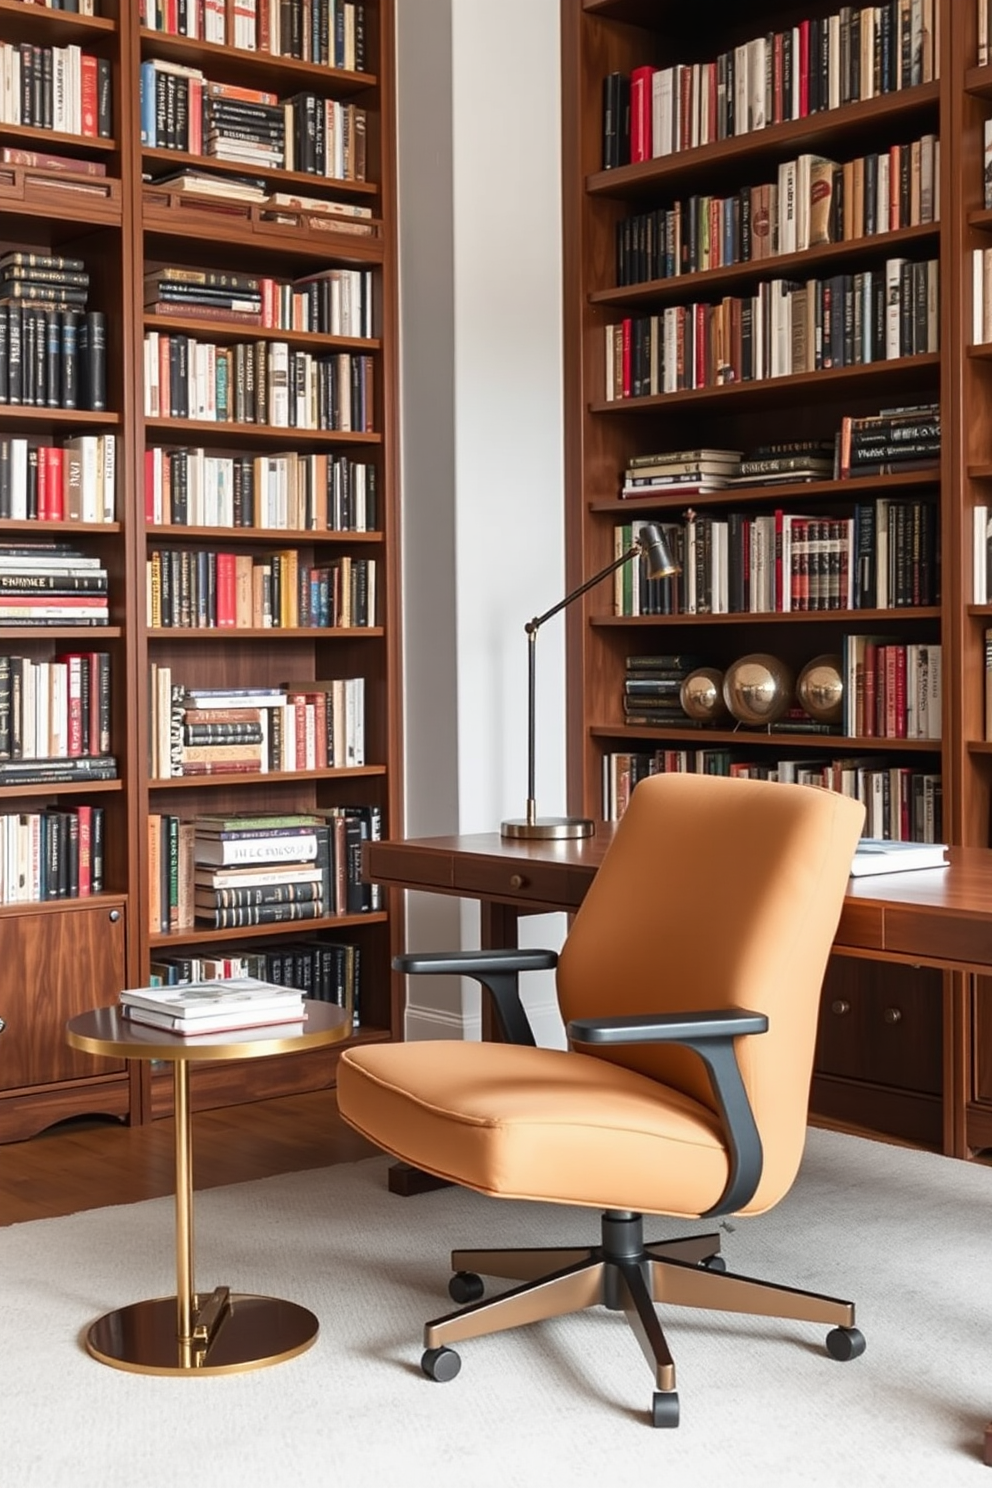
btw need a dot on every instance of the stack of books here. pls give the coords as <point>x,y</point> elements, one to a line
<point>652,687</point>
<point>203,294</point>
<point>218,1006</point>
<point>890,442</point>
<point>785,462</point>
<point>260,870</point>
<point>51,584</point>
<point>688,472</point>
<point>246,125</point>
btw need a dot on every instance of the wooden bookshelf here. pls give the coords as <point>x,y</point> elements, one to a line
<point>76,954</point>
<point>900,1049</point>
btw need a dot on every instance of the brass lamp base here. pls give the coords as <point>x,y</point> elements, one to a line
<point>249,1333</point>
<point>549,828</point>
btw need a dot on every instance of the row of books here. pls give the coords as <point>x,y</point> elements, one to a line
<point>322,493</point>
<point>51,358</point>
<point>310,725</point>
<point>54,710</point>
<point>74,481</point>
<point>892,689</point>
<point>902,803</point>
<point>333,302</point>
<point>328,32</point>
<point>694,472</point>
<point>231,872</point>
<point>858,53</point>
<point>61,88</point>
<point>884,556</point>
<point>783,330</point>
<point>51,854</point>
<point>261,382</point>
<point>183,110</point>
<point>201,589</point>
<point>812,202</point>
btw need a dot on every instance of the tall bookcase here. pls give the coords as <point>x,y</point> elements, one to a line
<point>73,954</point>
<point>901,1050</point>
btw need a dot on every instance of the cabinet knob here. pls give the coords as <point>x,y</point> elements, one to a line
<point>115,915</point>
<point>892,1015</point>
<point>517,881</point>
<point>840,1006</point>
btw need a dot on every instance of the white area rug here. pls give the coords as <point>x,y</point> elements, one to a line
<point>905,1234</point>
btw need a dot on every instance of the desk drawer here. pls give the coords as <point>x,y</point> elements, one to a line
<point>882,1024</point>
<point>521,882</point>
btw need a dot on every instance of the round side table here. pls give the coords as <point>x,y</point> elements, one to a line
<point>220,1332</point>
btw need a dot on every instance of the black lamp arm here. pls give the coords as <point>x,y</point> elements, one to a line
<point>538,620</point>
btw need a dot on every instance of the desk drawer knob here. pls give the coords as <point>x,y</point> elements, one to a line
<point>840,1006</point>
<point>892,1015</point>
<point>517,881</point>
<point>114,916</point>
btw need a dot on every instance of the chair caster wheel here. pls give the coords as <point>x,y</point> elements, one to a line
<point>845,1343</point>
<point>441,1364</point>
<point>713,1263</point>
<point>465,1286</point>
<point>665,1408</point>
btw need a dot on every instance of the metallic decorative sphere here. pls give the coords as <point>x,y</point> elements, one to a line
<point>758,689</point>
<point>701,695</point>
<point>820,689</point>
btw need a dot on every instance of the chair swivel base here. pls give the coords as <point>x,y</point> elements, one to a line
<point>250,1332</point>
<point>625,1275</point>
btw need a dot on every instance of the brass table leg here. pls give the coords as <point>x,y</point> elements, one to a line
<point>222,1333</point>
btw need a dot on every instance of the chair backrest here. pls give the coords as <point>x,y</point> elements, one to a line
<point>719,893</point>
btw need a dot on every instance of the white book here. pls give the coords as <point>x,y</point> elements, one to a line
<point>19,479</point>
<point>204,999</point>
<point>756,50</point>
<point>893,306</point>
<point>877,855</point>
<point>882,199</point>
<point>298,847</point>
<point>834,69</point>
<point>108,488</point>
<point>787,187</point>
<point>662,94</point>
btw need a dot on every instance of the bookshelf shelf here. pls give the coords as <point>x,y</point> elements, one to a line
<point>779,739</point>
<point>123,227</point>
<point>849,619</point>
<point>816,492</point>
<point>906,372</point>
<point>825,132</point>
<point>256,69</point>
<point>706,282</point>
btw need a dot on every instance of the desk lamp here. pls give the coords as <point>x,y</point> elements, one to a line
<point>650,542</point>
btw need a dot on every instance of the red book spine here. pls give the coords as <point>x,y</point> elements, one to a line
<point>899,691</point>
<point>87,96</point>
<point>779,586</point>
<point>627,370</point>
<point>43,515</point>
<point>640,113</point>
<point>803,69</point>
<point>149,485</point>
<point>226,601</point>
<point>74,703</point>
<point>712,122</point>
<point>701,339</point>
<point>85,818</point>
<point>778,89</point>
<point>685,108</point>
<point>872,664</point>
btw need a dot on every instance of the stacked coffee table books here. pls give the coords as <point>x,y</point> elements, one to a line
<point>214,1006</point>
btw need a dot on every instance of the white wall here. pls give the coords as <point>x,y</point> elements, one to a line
<point>480,310</point>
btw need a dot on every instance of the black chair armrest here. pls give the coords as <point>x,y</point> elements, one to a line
<point>710,1034</point>
<point>497,971</point>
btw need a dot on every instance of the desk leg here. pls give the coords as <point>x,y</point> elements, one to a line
<point>498,932</point>
<point>223,1333</point>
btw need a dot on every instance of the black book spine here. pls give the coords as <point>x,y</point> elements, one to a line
<point>97,831</point>
<point>14,353</point>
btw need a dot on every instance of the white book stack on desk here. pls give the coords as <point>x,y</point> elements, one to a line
<point>218,1005</point>
<point>877,855</point>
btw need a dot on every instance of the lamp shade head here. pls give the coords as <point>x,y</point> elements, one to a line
<point>661,564</point>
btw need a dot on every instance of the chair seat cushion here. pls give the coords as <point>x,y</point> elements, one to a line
<point>536,1124</point>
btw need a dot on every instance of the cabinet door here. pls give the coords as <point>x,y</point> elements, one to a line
<point>52,966</point>
<point>881,1024</point>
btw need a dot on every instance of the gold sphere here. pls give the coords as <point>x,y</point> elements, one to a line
<point>820,689</point>
<point>701,695</point>
<point>758,688</point>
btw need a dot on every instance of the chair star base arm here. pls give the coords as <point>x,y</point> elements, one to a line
<point>710,1034</point>
<point>497,971</point>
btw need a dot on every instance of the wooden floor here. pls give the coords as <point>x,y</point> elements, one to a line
<point>89,1164</point>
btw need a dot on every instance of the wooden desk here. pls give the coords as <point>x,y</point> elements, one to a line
<point>940,917</point>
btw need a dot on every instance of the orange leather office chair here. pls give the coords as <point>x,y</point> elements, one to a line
<point>689,985</point>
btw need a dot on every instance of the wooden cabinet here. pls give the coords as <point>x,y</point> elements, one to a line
<point>57,961</point>
<point>885,1062</point>
<point>103,201</point>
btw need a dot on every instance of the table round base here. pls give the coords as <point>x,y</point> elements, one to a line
<point>254,1332</point>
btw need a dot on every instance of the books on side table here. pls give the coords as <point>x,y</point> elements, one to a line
<point>877,855</point>
<point>219,1005</point>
